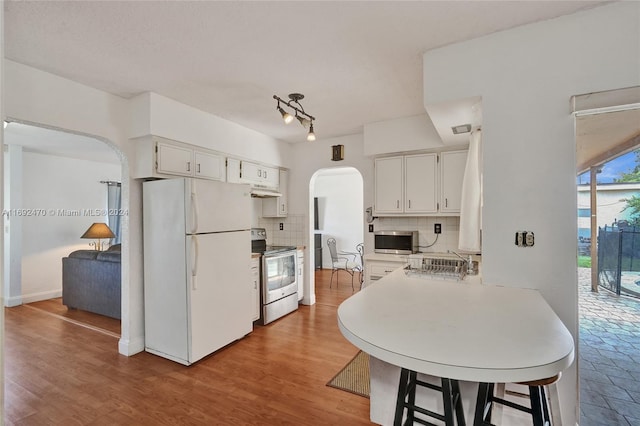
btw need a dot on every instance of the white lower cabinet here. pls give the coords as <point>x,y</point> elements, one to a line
<point>377,266</point>
<point>300,274</point>
<point>255,288</point>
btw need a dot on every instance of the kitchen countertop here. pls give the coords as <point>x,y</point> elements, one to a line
<point>458,330</point>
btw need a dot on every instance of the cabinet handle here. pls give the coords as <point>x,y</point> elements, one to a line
<point>188,166</point>
<point>409,203</point>
<point>397,204</point>
<point>282,208</point>
<point>198,168</point>
<point>446,202</point>
<point>259,173</point>
<point>265,174</point>
<point>255,284</point>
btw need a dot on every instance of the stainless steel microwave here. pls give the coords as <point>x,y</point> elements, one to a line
<point>395,242</point>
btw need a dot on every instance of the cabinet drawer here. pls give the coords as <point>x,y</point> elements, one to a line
<point>384,269</point>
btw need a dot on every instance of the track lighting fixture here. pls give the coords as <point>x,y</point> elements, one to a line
<point>305,119</point>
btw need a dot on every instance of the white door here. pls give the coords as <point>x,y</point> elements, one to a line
<point>218,293</point>
<point>216,206</point>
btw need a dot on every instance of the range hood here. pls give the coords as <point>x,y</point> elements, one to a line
<point>264,193</point>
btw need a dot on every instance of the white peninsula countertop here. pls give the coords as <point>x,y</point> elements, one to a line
<point>458,330</point>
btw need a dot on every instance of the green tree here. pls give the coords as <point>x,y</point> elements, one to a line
<point>633,203</point>
<point>633,175</point>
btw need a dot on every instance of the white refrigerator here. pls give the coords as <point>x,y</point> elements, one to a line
<point>197,253</point>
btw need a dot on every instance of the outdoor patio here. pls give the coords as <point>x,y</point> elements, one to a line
<point>609,356</point>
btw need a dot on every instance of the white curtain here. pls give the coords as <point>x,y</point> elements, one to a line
<point>114,204</point>
<point>471,206</point>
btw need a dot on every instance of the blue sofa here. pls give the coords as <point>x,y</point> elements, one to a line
<point>91,281</point>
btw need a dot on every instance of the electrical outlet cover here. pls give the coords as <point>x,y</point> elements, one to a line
<point>528,239</point>
<point>437,228</point>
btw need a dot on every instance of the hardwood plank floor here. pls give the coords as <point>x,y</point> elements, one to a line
<point>57,372</point>
<point>55,307</point>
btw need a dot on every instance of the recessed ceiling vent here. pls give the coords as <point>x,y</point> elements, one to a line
<point>462,128</point>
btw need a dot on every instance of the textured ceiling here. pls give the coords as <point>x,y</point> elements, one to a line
<point>356,62</point>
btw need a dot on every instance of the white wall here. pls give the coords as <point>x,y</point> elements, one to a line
<point>52,183</point>
<point>173,120</point>
<point>403,134</point>
<point>526,77</point>
<point>308,158</point>
<point>611,204</point>
<point>339,193</point>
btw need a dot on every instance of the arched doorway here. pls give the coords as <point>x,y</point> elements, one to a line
<point>340,209</point>
<point>40,156</point>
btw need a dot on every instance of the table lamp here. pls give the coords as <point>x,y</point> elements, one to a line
<point>98,231</point>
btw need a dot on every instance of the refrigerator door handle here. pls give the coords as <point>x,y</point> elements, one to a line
<point>194,212</point>
<point>194,261</point>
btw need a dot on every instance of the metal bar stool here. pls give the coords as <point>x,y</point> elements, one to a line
<point>407,399</point>
<point>540,413</point>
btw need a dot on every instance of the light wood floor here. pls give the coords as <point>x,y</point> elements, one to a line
<point>59,372</point>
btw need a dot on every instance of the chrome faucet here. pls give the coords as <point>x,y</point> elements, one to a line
<point>468,262</point>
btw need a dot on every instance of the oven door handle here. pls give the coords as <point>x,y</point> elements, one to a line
<point>194,261</point>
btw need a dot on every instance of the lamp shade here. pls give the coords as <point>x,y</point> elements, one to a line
<point>98,230</point>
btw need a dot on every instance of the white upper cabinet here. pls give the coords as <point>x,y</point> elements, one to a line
<point>389,188</point>
<point>277,206</point>
<point>452,165</point>
<point>420,184</point>
<point>174,160</point>
<point>158,157</point>
<point>209,166</point>
<point>259,175</point>
<point>233,170</point>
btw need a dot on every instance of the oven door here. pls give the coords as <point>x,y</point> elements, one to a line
<point>279,277</point>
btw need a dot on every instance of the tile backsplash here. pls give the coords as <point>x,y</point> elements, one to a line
<point>295,229</point>
<point>447,240</point>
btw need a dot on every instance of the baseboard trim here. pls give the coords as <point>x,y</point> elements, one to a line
<point>129,347</point>
<point>13,301</point>
<point>37,297</point>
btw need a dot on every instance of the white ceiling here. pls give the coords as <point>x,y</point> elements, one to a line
<point>356,62</point>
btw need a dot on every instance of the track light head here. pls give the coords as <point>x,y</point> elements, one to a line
<point>304,121</point>
<point>311,136</point>
<point>288,118</point>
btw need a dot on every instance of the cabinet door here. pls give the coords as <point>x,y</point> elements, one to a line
<point>270,176</point>
<point>233,170</point>
<point>174,160</point>
<point>250,172</point>
<point>209,166</point>
<point>277,206</point>
<point>421,183</point>
<point>389,185</point>
<point>452,168</point>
